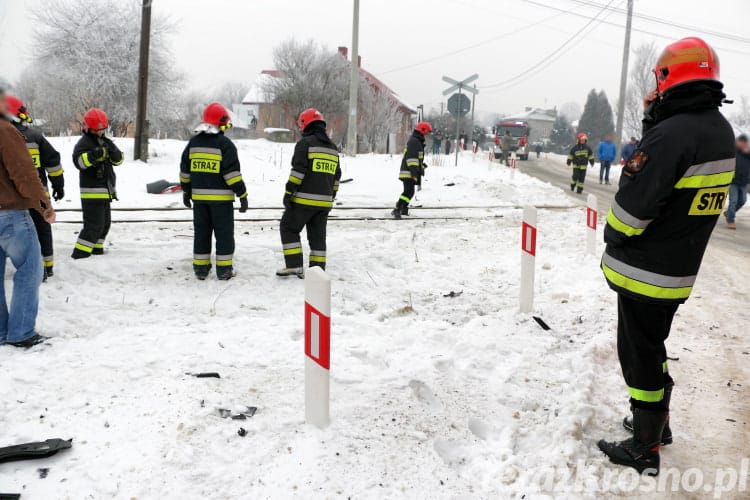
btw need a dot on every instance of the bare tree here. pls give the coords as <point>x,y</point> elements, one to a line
<point>741,118</point>
<point>86,55</point>
<point>572,111</point>
<point>378,116</point>
<point>640,82</point>
<point>230,93</point>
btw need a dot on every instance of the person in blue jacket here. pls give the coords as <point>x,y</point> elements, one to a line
<point>628,150</point>
<point>606,153</point>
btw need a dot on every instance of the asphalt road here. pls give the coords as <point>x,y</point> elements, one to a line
<point>559,175</point>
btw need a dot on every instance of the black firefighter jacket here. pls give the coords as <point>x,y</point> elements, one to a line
<point>412,164</point>
<point>95,158</point>
<point>210,169</point>
<point>316,173</point>
<point>46,158</point>
<point>671,193</point>
<point>580,155</point>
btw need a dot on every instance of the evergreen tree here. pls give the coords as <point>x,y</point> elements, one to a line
<point>561,138</point>
<point>597,119</point>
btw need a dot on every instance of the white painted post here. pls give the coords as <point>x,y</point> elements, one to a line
<point>528,258</point>
<point>512,165</point>
<point>317,346</point>
<point>592,215</point>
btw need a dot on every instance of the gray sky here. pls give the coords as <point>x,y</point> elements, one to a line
<point>228,40</point>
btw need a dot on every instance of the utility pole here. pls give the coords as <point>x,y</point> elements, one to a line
<point>140,149</point>
<point>623,80</point>
<point>471,129</point>
<point>351,132</point>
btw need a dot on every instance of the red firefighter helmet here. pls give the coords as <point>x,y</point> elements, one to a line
<point>309,116</point>
<point>18,108</point>
<point>582,137</point>
<point>687,60</point>
<point>423,128</point>
<point>95,119</point>
<point>217,115</point>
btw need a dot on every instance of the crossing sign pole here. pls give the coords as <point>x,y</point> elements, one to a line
<point>459,85</point>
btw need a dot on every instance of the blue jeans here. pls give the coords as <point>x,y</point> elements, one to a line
<point>737,199</point>
<point>604,170</point>
<point>19,242</point>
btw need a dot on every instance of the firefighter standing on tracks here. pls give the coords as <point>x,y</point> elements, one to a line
<point>581,156</point>
<point>672,190</point>
<point>210,177</point>
<point>309,195</point>
<point>412,168</point>
<point>94,156</point>
<point>47,163</point>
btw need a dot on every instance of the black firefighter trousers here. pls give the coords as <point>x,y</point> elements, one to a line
<point>292,222</point>
<point>406,195</point>
<point>97,219</point>
<point>44,233</point>
<point>579,177</point>
<point>642,328</point>
<point>213,219</point>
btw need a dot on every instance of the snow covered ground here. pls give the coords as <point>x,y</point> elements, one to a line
<point>432,396</point>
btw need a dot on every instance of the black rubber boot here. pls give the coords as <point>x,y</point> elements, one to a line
<point>201,272</point>
<point>224,273</point>
<point>640,452</point>
<point>666,435</point>
<point>396,213</point>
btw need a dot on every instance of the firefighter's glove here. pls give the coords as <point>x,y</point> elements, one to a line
<point>58,194</point>
<point>186,199</point>
<point>288,200</point>
<point>243,204</point>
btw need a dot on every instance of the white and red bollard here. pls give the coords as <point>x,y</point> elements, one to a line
<point>513,160</point>
<point>592,216</point>
<point>317,346</point>
<point>528,258</point>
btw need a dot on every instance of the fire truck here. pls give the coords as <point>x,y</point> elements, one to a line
<point>519,130</point>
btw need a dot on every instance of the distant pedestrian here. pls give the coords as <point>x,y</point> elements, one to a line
<point>507,144</point>
<point>606,153</point>
<point>628,150</point>
<point>738,188</point>
<point>580,156</point>
<point>20,190</point>
<point>538,149</point>
<point>437,141</point>
<point>448,144</point>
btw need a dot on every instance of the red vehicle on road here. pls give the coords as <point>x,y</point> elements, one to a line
<point>519,130</point>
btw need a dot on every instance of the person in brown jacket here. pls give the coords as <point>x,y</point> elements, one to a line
<point>20,190</point>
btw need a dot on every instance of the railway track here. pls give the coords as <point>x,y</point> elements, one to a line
<point>167,215</point>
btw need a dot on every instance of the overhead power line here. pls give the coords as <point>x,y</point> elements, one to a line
<point>653,19</point>
<point>639,30</point>
<point>480,43</point>
<point>566,45</point>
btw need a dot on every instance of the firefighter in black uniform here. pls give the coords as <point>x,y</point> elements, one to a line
<point>94,156</point>
<point>580,157</point>
<point>672,190</point>
<point>210,176</point>
<point>310,192</point>
<point>47,163</point>
<point>412,168</point>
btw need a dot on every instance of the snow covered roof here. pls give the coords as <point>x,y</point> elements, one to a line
<point>535,114</point>
<point>256,94</point>
<point>378,84</point>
